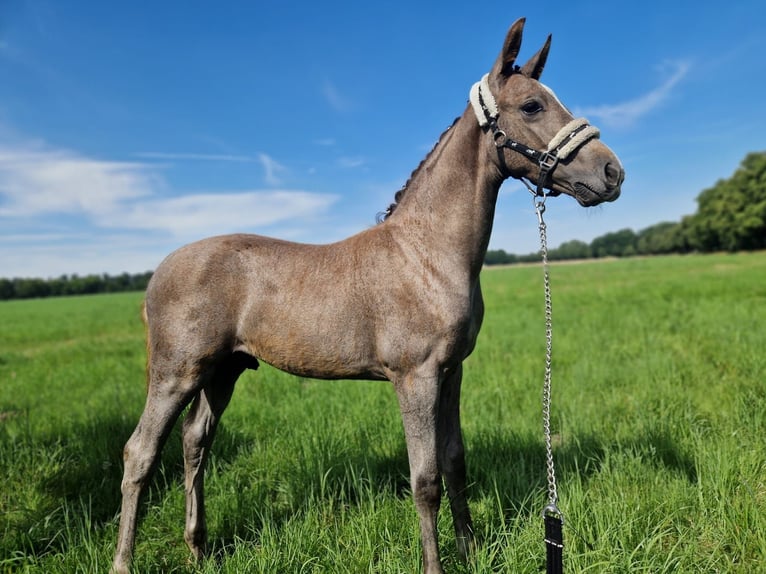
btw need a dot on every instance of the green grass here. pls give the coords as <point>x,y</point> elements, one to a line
<point>659,410</point>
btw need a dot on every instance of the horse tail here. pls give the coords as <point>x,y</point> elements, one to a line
<point>145,321</point>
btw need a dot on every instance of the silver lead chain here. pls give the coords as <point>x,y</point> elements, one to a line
<point>551,508</point>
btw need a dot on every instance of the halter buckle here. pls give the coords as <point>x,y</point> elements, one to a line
<point>548,162</point>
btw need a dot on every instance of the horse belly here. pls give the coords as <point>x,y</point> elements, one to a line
<point>312,345</point>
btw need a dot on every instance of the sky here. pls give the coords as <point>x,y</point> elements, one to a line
<point>130,129</point>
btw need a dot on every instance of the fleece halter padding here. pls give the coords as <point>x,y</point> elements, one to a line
<point>572,136</point>
<point>483,102</point>
<point>568,139</point>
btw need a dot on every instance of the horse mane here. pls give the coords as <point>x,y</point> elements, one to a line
<point>383,215</point>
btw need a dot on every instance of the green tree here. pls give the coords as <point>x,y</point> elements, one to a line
<point>574,249</point>
<point>615,244</point>
<point>6,289</point>
<point>25,288</point>
<point>665,237</point>
<point>731,215</point>
<point>30,288</point>
<point>499,257</point>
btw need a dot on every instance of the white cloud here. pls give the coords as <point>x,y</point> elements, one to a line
<point>272,167</point>
<point>63,212</point>
<point>195,215</point>
<point>333,96</point>
<point>194,156</point>
<point>351,162</point>
<point>81,255</point>
<point>627,113</point>
<point>44,183</point>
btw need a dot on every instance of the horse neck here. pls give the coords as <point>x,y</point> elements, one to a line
<point>447,209</point>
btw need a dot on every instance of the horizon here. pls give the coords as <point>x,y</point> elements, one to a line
<point>128,132</point>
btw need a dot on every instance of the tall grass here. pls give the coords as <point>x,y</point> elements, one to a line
<point>659,410</point>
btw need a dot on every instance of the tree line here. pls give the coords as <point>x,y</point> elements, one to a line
<point>29,288</point>
<point>730,216</point>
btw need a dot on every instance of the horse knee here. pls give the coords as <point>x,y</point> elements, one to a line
<point>138,465</point>
<point>194,432</point>
<point>454,454</point>
<point>427,491</point>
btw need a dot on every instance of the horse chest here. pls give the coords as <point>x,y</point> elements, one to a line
<point>438,325</point>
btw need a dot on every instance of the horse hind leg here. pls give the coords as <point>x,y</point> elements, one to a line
<point>165,400</point>
<point>199,428</point>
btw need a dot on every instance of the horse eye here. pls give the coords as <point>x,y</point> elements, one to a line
<point>531,108</point>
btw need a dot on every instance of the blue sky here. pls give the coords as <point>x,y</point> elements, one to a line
<point>129,129</point>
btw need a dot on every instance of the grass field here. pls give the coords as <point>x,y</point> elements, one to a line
<point>659,409</point>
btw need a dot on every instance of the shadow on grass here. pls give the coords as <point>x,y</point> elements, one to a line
<point>501,465</point>
<point>78,488</point>
<point>332,475</point>
<point>512,469</point>
<point>87,473</point>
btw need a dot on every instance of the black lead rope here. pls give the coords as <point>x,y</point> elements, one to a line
<point>554,544</point>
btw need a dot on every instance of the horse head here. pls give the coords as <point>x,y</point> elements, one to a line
<point>511,100</point>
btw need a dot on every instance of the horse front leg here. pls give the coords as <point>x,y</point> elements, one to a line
<point>452,459</point>
<point>198,433</point>
<point>419,403</point>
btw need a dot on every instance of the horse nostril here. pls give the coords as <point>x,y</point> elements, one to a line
<point>614,174</point>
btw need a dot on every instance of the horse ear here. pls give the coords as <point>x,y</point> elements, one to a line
<point>505,61</point>
<point>534,68</point>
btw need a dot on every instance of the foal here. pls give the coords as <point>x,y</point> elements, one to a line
<point>400,301</point>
